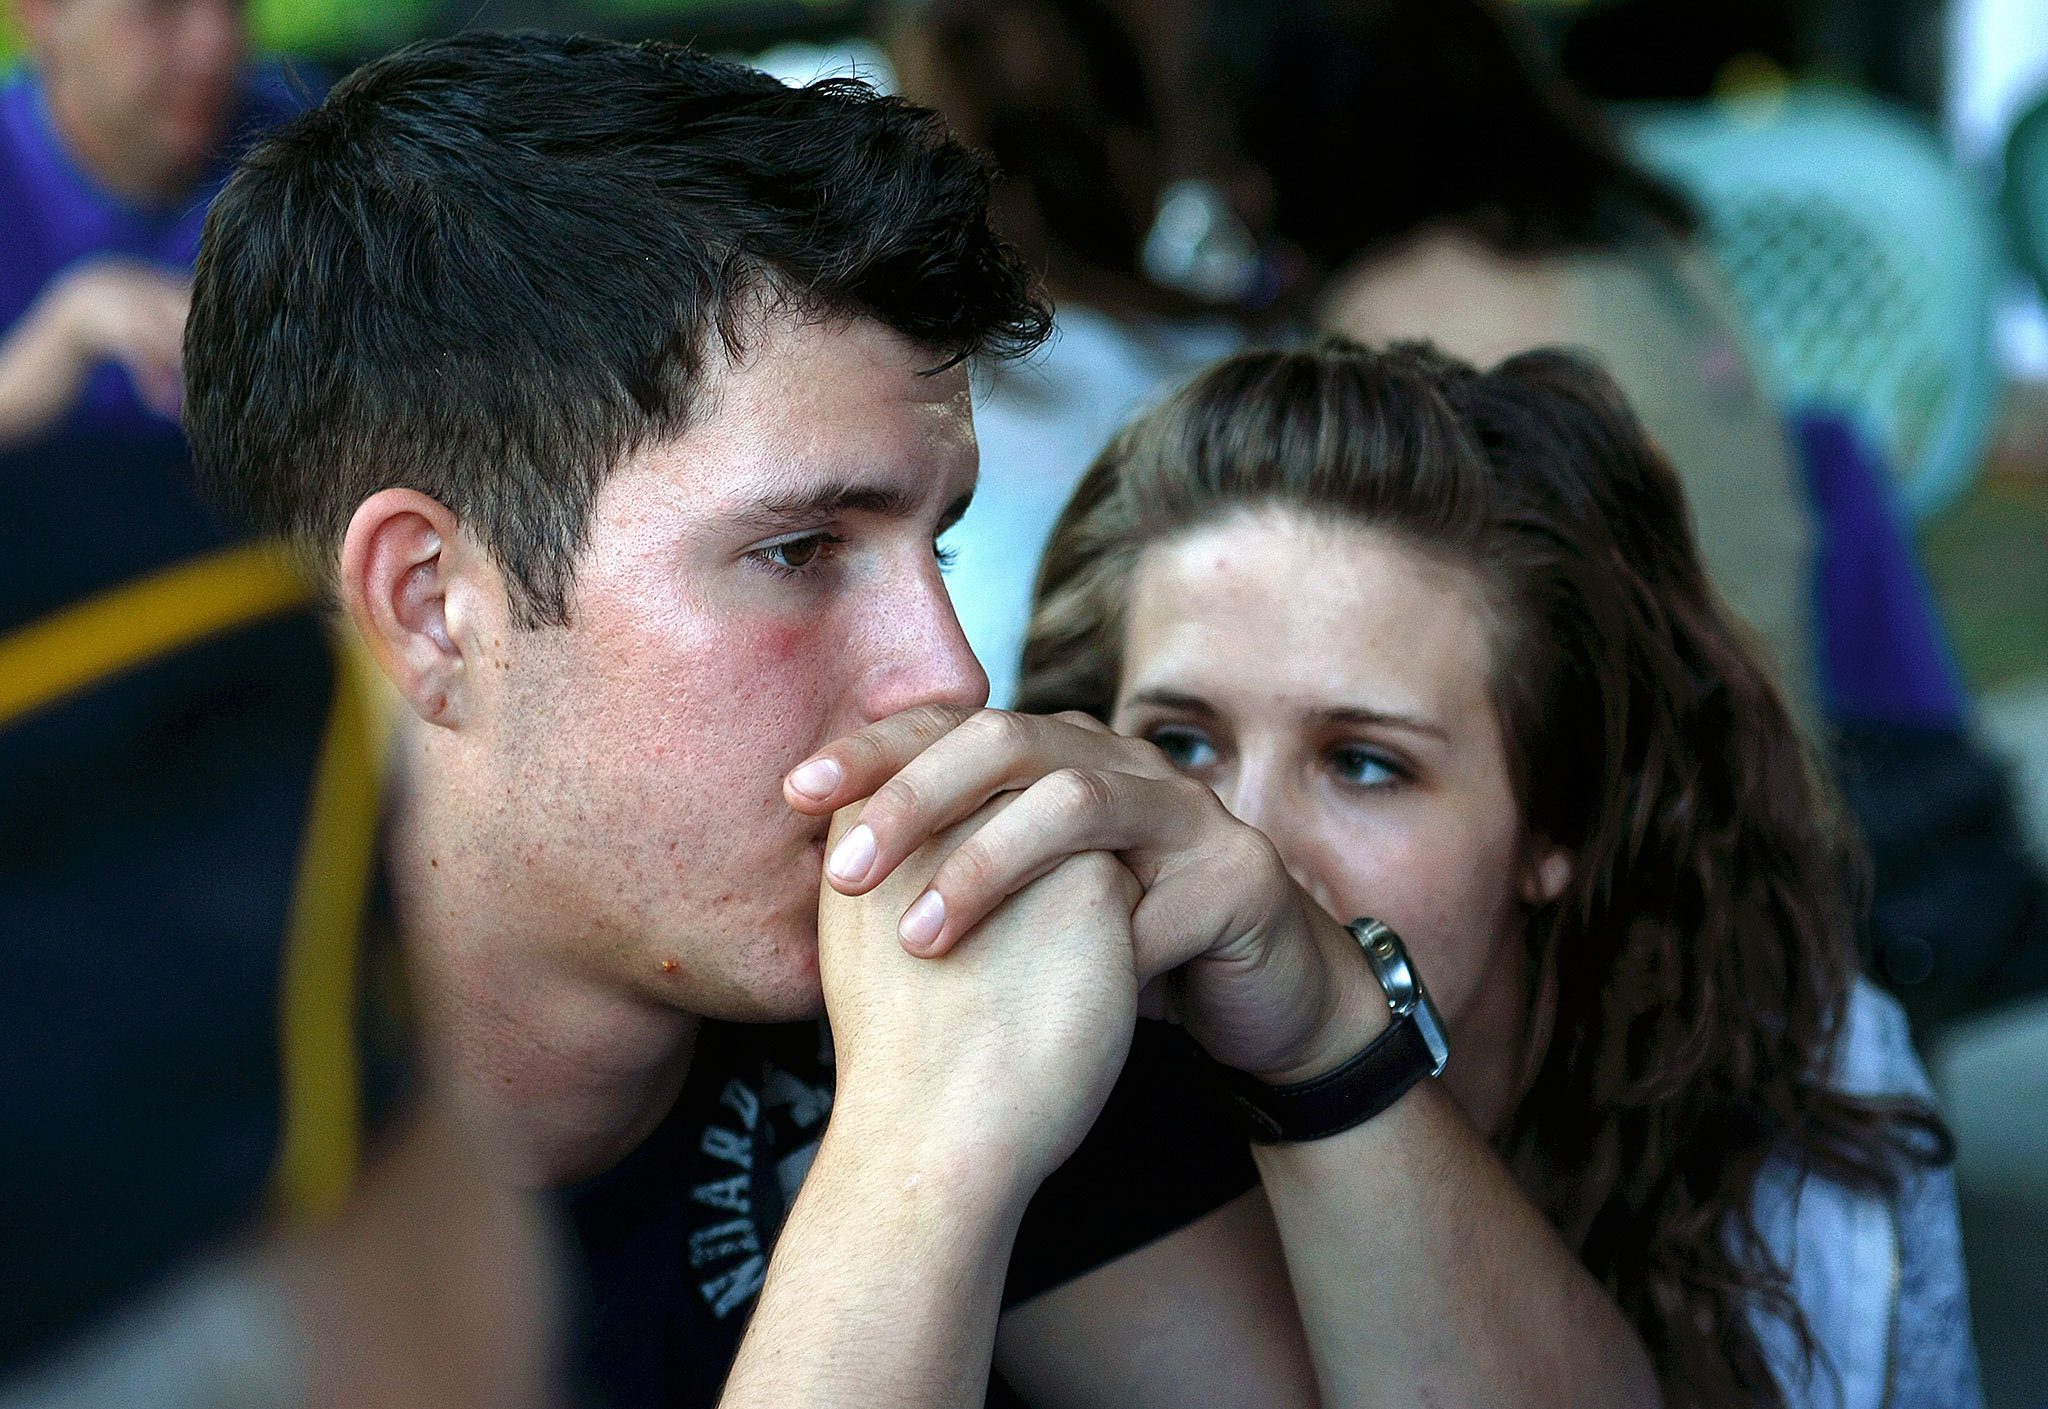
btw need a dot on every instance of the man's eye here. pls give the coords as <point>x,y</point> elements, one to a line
<point>797,554</point>
<point>1186,749</point>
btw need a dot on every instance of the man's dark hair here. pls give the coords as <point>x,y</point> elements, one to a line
<point>488,267</point>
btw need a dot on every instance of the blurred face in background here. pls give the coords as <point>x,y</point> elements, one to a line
<point>141,90</point>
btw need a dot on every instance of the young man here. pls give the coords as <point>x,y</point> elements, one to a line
<point>618,394</point>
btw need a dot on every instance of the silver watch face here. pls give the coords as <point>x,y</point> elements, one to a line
<point>1403,986</point>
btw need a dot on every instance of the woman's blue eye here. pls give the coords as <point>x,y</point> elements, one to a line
<point>1184,748</point>
<point>1363,767</point>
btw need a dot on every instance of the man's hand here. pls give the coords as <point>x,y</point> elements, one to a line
<point>961,1085</point>
<point>104,310</point>
<point>1269,983</point>
<point>1001,1057</point>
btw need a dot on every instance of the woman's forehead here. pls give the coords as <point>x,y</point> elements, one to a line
<point>1310,613</point>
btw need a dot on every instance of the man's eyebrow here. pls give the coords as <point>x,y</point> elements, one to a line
<point>801,508</point>
<point>772,513</point>
<point>955,511</point>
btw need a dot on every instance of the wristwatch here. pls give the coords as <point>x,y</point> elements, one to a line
<point>1412,1047</point>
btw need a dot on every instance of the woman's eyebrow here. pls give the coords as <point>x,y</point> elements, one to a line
<point>1360,716</point>
<point>1353,716</point>
<point>1175,700</point>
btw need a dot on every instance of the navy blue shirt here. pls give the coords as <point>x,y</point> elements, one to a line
<point>673,1243</point>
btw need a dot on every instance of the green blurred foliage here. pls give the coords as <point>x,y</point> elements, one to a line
<point>334,27</point>
<point>290,26</point>
<point>353,29</point>
<point>1987,558</point>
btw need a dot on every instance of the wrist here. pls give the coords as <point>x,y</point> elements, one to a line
<point>888,1272</point>
<point>62,329</point>
<point>908,1153</point>
<point>1353,1011</point>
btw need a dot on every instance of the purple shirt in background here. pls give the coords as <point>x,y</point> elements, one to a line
<point>54,215</point>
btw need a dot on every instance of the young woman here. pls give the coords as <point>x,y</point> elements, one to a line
<point>1445,636</point>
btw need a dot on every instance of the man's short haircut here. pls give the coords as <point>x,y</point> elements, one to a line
<point>488,267</point>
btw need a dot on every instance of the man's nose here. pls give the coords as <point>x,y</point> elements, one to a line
<point>922,656</point>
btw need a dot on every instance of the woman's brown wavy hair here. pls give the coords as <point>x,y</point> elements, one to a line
<point>1694,974</point>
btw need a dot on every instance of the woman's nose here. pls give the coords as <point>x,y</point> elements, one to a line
<point>1257,795</point>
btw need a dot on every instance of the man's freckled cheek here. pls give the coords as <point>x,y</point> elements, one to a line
<point>785,666</point>
<point>729,713</point>
<point>783,644</point>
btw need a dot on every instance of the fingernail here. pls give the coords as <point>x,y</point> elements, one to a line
<point>853,856</point>
<point>817,779</point>
<point>923,921</point>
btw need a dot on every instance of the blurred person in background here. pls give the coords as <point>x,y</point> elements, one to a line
<point>1446,638</point>
<point>626,452</point>
<point>113,139</point>
<point>1057,92</point>
<point>165,693</point>
<point>1489,209</point>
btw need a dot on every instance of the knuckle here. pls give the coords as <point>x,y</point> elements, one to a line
<point>1198,798</point>
<point>1080,719</point>
<point>1094,867</point>
<point>1251,855</point>
<point>1151,760</point>
<point>897,800</point>
<point>1001,730</point>
<point>972,870</point>
<point>863,750</point>
<point>1078,790</point>
<point>1098,874</point>
<point>927,722</point>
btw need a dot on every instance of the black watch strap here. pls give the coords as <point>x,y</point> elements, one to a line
<point>1337,1100</point>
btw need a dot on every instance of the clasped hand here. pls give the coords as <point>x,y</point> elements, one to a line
<point>998,1060</point>
<point>1263,979</point>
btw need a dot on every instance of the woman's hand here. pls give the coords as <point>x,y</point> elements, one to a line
<point>1267,982</point>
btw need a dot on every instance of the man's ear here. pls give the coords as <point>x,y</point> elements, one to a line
<point>1546,871</point>
<point>405,584</point>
